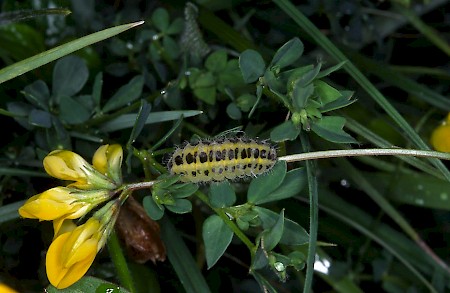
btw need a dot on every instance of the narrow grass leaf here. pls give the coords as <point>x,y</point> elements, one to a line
<point>181,259</point>
<point>43,58</point>
<point>128,120</point>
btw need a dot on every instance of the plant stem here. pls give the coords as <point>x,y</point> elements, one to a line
<point>313,213</point>
<point>364,152</point>
<point>120,263</point>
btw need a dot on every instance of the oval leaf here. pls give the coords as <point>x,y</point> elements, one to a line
<point>262,186</point>
<point>126,94</point>
<point>288,53</point>
<point>272,236</point>
<point>252,65</point>
<point>284,131</point>
<point>69,76</point>
<point>222,195</point>
<point>330,128</point>
<point>293,183</point>
<point>216,236</point>
<point>293,233</point>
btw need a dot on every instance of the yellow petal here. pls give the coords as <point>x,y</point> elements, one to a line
<point>108,160</point>
<point>100,160</point>
<point>5,289</point>
<point>60,275</point>
<point>66,165</point>
<point>52,204</point>
<point>86,250</point>
<point>63,225</point>
<point>440,138</point>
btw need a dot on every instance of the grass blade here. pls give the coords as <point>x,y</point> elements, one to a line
<point>313,214</point>
<point>43,58</point>
<point>181,259</point>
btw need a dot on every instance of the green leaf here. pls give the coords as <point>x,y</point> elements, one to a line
<point>330,70</point>
<point>171,47</point>
<point>330,128</point>
<point>272,236</point>
<point>293,183</point>
<point>69,76</point>
<point>252,65</point>
<point>288,53</point>
<point>97,89</point>
<point>175,27</point>
<point>217,61</point>
<point>154,210</point>
<point>341,102</point>
<point>10,212</point>
<point>89,284</point>
<point>126,94</point>
<point>27,14</point>
<point>36,61</point>
<point>181,206</point>
<point>284,131</point>
<point>301,95</point>
<point>184,190</point>
<point>40,118</point>
<point>20,41</point>
<point>262,186</point>
<point>233,111</point>
<point>414,189</point>
<point>38,94</point>
<point>308,77</point>
<point>181,259</point>
<point>245,102</point>
<point>72,112</point>
<point>221,195</point>
<point>266,286</point>
<point>141,118</point>
<point>128,120</point>
<point>216,237</point>
<point>293,233</point>
<point>160,19</point>
<point>206,94</point>
<point>326,93</point>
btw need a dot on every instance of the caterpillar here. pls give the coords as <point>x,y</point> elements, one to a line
<point>222,159</point>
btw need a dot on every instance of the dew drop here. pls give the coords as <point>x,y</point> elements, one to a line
<point>444,196</point>
<point>420,187</point>
<point>345,183</point>
<point>279,266</point>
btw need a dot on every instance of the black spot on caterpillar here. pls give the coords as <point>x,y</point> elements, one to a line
<point>222,159</point>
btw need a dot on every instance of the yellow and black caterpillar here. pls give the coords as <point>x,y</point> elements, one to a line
<point>220,159</point>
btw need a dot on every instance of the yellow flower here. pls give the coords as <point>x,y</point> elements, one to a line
<point>5,289</point>
<point>71,254</point>
<point>440,138</point>
<point>67,165</point>
<point>108,160</point>
<point>62,203</point>
<point>66,202</point>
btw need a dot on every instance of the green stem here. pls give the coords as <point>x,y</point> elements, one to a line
<point>313,213</point>
<point>221,213</point>
<point>364,152</point>
<point>120,263</point>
